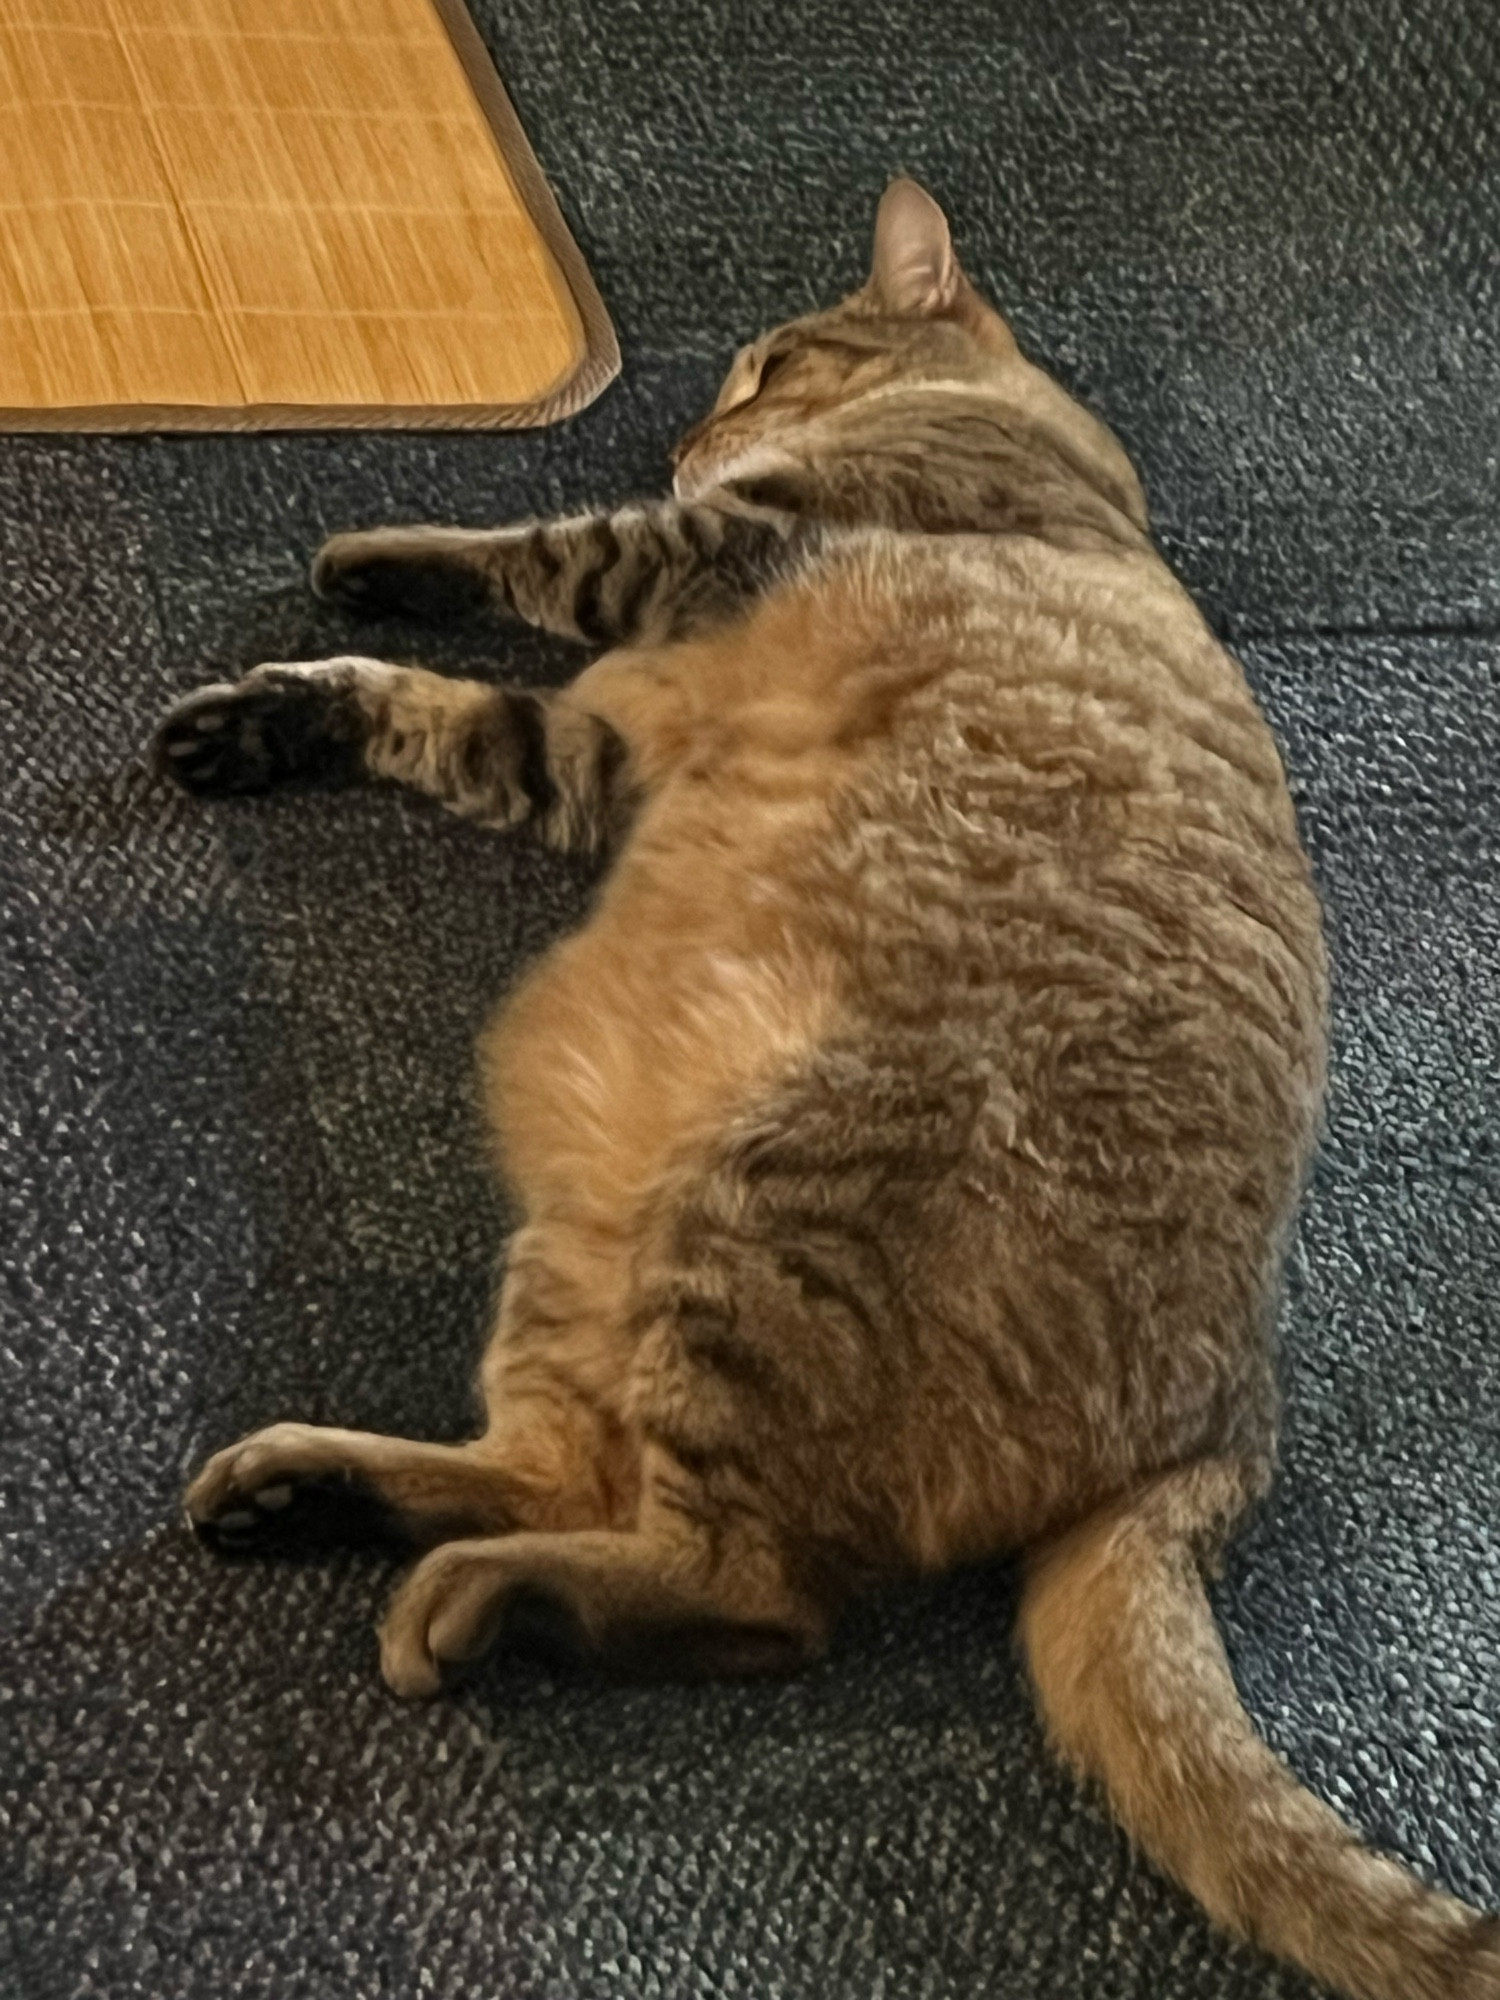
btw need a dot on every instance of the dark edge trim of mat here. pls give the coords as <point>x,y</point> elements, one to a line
<point>598,367</point>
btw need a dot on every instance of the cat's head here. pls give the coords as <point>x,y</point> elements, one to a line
<point>914,333</point>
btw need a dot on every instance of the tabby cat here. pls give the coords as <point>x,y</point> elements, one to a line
<point>906,1145</point>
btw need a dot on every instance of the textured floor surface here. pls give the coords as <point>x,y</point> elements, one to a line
<point>238,1154</point>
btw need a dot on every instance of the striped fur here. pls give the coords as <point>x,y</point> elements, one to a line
<point>639,575</point>
<point>906,1145</point>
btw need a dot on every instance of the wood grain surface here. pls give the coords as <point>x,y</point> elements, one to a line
<point>240,212</point>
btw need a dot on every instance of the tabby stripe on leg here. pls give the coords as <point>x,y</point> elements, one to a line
<point>643,573</point>
<point>496,755</point>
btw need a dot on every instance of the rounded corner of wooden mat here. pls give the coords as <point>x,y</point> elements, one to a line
<point>256,214</point>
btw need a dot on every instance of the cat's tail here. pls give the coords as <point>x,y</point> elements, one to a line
<point>1136,1690</point>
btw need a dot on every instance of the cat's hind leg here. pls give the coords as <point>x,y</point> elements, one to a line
<point>307,1485</point>
<point>685,1592</point>
<point>554,1454</point>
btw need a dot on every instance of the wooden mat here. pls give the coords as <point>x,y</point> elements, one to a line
<point>220,214</point>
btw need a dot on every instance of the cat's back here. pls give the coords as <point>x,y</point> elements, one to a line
<point>1091,982</point>
<point>1079,796</point>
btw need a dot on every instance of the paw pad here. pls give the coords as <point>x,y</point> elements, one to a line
<point>275,728</point>
<point>387,571</point>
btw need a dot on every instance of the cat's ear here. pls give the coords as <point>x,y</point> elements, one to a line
<point>914,269</point>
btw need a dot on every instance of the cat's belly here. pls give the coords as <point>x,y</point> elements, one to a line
<point>634,1045</point>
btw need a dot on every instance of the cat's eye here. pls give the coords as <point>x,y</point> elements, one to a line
<point>742,384</point>
<point>748,377</point>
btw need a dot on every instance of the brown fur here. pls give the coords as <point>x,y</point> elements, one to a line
<point>907,1143</point>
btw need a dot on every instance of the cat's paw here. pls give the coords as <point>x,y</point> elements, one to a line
<point>280,726</point>
<point>421,572</point>
<point>283,1488</point>
<point>459,1602</point>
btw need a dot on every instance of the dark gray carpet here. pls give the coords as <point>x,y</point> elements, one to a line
<point>238,1156</point>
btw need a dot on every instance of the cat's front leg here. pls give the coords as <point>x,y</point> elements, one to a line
<point>494,754</point>
<point>641,573</point>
